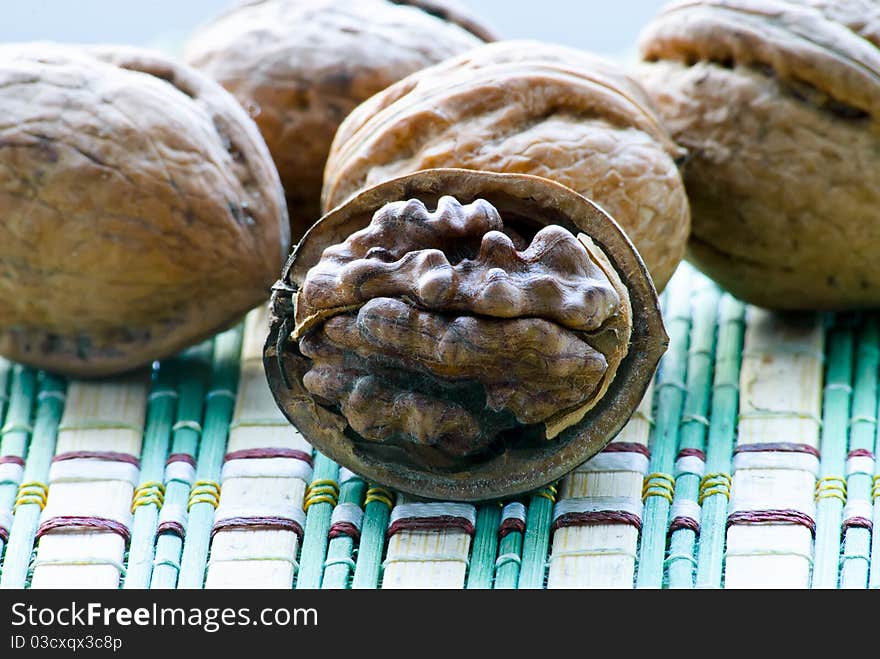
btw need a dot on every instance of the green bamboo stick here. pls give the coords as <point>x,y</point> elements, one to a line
<point>149,496</point>
<point>874,571</point>
<point>715,486</point>
<point>856,557</point>
<point>340,564</point>
<point>195,371</point>
<point>50,405</point>
<point>16,430</point>
<point>831,487</point>
<point>205,493</point>
<point>484,549</point>
<point>5,377</point>
<point>694,425</point>
<point>536,540</point>
<point>377,509</point>
<point>659,483</point>
<point>321,497</point>
<point>509,560</point>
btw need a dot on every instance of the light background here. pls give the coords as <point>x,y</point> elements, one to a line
<point>602,26</point>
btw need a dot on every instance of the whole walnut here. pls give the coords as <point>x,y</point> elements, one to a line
<point>300,66</point>
<point>139,208</point>
<point>463,334</point>
<point>778,103</point>
<point>527,108</point>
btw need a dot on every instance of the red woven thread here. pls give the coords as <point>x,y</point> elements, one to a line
<point>776,447</point>
<point>860,453</point>
<point>691,452</point>
<point>262,453</point>
<point>597,517</point>
<point>74,523</point>
<point>344,529</point>
<point>107,456</point>
<point>4,533</point>
<point>858,523</point>
<point>257,524</point>
<point>438,523</point>
<point>784,516</point>
<point>171,527</point>
<point>11,459</point>
<point>683,522</point>
<point>181,457</point>
<point>627,447</point>
<point>510,525</point>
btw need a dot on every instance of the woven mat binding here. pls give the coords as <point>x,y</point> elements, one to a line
<point>750,463</point>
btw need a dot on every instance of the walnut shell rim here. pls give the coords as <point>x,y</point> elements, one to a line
<point>514,471</point>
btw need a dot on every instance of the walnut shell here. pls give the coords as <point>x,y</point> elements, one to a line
<point>778,103</point>
<point>463,334</point>
<point>300,66</point>
<point>140,208</point>
<point>528,108</point>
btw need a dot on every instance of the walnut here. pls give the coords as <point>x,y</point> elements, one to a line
<point>529,108</point>
<point>300,66</point>
<point>140,208</point>
<point>778,103</point>
<point>463,334</point>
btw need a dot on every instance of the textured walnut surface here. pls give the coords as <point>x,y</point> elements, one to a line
<point>140,208</point>
<point>300,66</point>
<point>449,354</point>
<point>463,334</point>
<point>524,107</point>
<point>777,103</point>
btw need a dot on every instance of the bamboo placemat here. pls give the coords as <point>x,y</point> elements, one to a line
<point>750,463</point>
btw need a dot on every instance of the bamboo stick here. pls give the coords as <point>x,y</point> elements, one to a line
<point>339,565</point>
<point>30,501</point>
<point>205,493</point>
<point>856,559</point>
<point>831,488</point>
<point>428,558</point>
<point>690,464</point>
<point>780,402</point>
<point>256,554</point>
<point>671,387</point>
<point>715,485</point>
<point>179,475</point>
<point>101,416</point>
<point>602,555</point>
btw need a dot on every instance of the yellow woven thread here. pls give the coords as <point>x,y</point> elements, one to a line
<point>32,492</point>
<point>204,492</point>
<point>150,492</point>
<point>875,493</point>
<point>548,493</point>
<point>380,494</point>
<point>831,487</point>
<point>321,491</point>
<point>658,484</point>
<point>712,484</point>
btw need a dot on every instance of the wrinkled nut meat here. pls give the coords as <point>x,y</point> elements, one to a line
<point>526,108</point>
<point>300,66</point>
<point>463,334</point>
<point>778,103</point>
<point>139,209</point>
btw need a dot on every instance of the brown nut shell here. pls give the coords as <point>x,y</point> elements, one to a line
<point>528,108</point>
<point>778,104</point>
<point>300,66</point>
<point>140,208</point>
<point>392,318</point>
